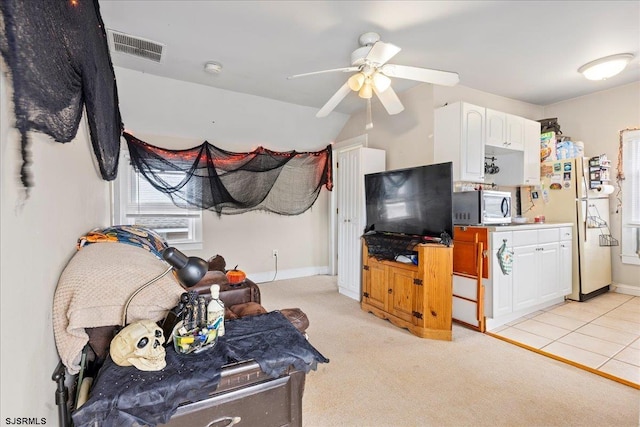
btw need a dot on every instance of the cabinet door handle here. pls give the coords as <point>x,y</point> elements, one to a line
<point>390,291</point>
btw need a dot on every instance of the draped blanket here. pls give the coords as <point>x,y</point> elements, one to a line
<point>208,177</point>
<point>59,62</point>
<point>94,287</point>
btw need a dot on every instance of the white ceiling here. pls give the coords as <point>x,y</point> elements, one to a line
<point>524,50</point>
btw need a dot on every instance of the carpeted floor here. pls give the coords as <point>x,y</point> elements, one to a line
<point>381,375</point>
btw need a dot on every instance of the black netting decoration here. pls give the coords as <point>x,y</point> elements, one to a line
<point>59,62</point>
<point>390,246</point>
<point>208,177</point>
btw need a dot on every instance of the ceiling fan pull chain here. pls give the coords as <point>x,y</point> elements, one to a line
<point>369,124</point>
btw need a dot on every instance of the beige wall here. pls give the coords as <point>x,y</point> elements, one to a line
<point>596,120</point>
<point>406,137</point>
<point>446,95</point>
<point>37,239</point>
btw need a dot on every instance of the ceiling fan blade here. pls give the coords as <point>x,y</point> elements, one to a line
<point>389,100</point>
<point>381,52</point>
<point>444,78</point>
<point>344,70</point>
<point>334,101</point>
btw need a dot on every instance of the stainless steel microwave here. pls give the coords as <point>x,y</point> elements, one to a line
<point>481,207</point>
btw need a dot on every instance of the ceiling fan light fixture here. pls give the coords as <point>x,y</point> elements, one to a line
<point>381,82</point>
<point>366,91</point>
<point>603,68</point>
<point>356,81</point>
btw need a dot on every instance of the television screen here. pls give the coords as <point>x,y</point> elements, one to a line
<point>413,201</point>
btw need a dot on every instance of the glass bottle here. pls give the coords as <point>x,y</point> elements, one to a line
<point>215,310</point>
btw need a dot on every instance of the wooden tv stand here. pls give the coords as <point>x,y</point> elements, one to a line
<point>415,297</point>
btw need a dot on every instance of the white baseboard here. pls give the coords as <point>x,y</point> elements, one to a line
<point>621,288</point>
<point>349,293</point>
<point>268,276</point>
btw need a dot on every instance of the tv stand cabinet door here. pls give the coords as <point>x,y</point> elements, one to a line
<point>401,298</point>
<point>374,283</point>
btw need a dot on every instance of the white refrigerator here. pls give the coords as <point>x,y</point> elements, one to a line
<point>566,197</point>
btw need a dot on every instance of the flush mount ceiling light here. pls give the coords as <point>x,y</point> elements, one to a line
<point>603,68</point>
<point>213,67</point>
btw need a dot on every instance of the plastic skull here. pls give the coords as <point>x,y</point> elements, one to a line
<point>139,344</point>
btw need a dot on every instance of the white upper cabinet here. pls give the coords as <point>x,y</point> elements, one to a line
<point>464,133</point>
<point>515,132</point>
<point>496,125</point>
<point>504,131</point>
<point>531,173</point>
<point>459,137</point>
<point>521,167</point>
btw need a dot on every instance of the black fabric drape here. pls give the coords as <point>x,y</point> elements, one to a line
<point>287,183</point>
<point>58,57</point>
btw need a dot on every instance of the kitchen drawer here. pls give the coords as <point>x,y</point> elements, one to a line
<point>498,236</point>
<point>525,238</point>
<point>548,235</point>
<point>269,403</point>
<point>566,233</point>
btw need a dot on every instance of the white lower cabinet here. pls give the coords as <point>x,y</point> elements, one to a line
<point>540,273</point>
<point>537,275</point>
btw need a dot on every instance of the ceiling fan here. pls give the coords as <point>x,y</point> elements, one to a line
<point>372,72</point>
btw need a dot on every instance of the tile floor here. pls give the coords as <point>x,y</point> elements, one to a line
<point>602,333</point>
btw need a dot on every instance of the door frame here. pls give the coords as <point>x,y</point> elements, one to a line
<point>338,147</point>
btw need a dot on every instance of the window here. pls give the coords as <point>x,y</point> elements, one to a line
<point>137,202</point>
<point>630,149</point>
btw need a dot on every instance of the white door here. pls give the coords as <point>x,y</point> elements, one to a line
<point>595,259</point>
<point>351,166</point>
<point>566,263</point>
<point>514,132</point>
<point>502,288</point>
<point>473,137</point>
<point>531,167</point>
<point>525,276</point>
<point>549,275</point>
<point>348,188</point>
<point>495,122</point>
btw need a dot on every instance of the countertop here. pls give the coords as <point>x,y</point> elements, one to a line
<point>528,226</point>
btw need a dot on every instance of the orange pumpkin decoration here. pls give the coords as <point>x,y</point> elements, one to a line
<point>236,276</point>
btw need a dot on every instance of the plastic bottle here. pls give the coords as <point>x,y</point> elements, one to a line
<point>215,310</point>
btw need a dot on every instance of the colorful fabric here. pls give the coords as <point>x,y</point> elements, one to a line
<point>133,235</point>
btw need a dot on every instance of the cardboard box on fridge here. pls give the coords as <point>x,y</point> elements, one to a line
<point>548,147</point>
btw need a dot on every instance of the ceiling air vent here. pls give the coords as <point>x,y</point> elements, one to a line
<point>135,46</point>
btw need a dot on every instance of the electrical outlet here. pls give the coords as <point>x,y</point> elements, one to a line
<point>275,253</point>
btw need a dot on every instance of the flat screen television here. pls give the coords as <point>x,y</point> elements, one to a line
<point>414,201</point>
